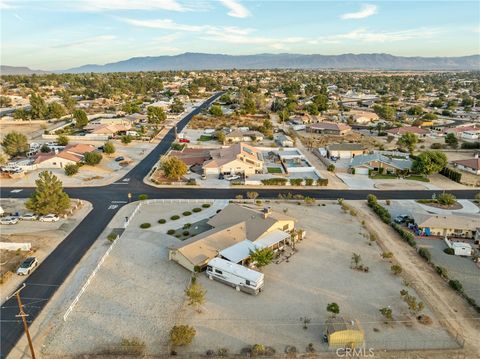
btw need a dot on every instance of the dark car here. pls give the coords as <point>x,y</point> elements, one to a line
<point>119,159</point>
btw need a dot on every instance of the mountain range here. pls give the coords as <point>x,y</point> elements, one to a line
<point>203,61</point>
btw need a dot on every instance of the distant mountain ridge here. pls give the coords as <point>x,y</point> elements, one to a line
<point>19,70</point>
<point>203,61</point>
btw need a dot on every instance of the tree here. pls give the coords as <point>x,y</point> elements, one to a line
<point>45,148</point>
<point>108,148</point>
<point>131,107</point>
<point>126,139</point>
<point>451,140</point>
<point>71,169</point>
<point>15,143</point>
<point>81,119</point>
<point>414,306</point>
<point>38,108</point>
<point>415,111</point>
<point>429,162</point>
<point>174,168</point>
<point>220,135</point>
<point>385,111</point>
<point>55,110</point>
<point>92,158</point>
<point>430,117</point>
<point>68,101</point>
<point>386,312</point>
<point>195,294</point>
<point>333,308</point>
<point>215,110</point>
<point>21,114</point>
<point>181,335</point>
<point>156,114</point>
<point>48,196</point>
<point>177,106</point>
<point>408,141</point>
<point>321,101</point>
<point>62,140</point>
<point>261,257</point>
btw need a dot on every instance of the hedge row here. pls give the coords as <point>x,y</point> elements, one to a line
<point>378,209</point>
<point>452,174</point>
<point>406,235</point>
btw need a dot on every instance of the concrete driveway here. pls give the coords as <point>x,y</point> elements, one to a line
<point>356,181</point>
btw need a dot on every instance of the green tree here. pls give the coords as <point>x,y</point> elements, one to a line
<point>415,111</point>
<point>108,148</point>
<point>177,106</point>
<point>21,114</point>
<point>385,111</point>
<point>156,114</point>
<point>261,257</point>
<point>220,135</point>
<point>429,162</point>
<point>68,101</point>
<point>408,141</point>
<point>55,110</point>
<point>429,117</point>
<point>321,101</point>
<point>174,168</point>
<point>333,308</point>
<point>63,140</point>
<point>15,143</point>
<point>131,107</point>
<point>312,109</point>
<point>81,119</point>
<point>48,196</point>
<point>181,335</point>
<point>386,312</point>
<point>215,110</point>
<point>126,139</point>
<point>92,158</point>
<point>451,140</point>
<point>38,107</point>
<point>71,169</point>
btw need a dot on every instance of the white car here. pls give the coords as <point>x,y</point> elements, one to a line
<point>28,217</point>
<point>231,177</point>
<point>27,266</point>
<point>49,218</point>
<point>9,220</point>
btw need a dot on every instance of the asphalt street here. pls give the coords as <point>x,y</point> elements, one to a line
<point>43,282</point>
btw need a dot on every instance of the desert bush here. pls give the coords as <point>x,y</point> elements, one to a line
<point>196,210</point>
<point>331,167</point>
<point>206,205</point>
<point>425,254</point>
<point>387,255</point>
<point>187,213</point>
<point>174,217</point>
<point>442,272</point>
<point>142,197</point>
<point>171,231</point>
<point>258,349</point>
<point>133,346</point>
<point>396,269</point>
<point>456,285</point>
<point>386,312</point>
<point>162,221</point>
<point>145,225</point>
<point>71,169</point>
<point>181,335</point>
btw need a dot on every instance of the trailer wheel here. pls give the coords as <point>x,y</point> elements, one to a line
<point>237,288</point>
<point>210,277</point>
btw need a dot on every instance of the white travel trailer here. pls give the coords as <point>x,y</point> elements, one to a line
<point>241,278</point>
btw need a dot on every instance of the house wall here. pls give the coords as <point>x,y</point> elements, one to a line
<point>176,256</point>
<point>451,232</point>
<point>345,154</point>
<point>55,162</point>
<point>238,166</point>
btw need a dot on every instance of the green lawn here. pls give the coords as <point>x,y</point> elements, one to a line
<point>205,138</point>
<point>384,176</point>
<point>417,178</point>
<point>274,170</point>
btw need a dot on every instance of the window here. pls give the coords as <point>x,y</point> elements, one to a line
<point>218,271</point>
<point>247,282</point>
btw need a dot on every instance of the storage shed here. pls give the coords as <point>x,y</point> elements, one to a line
<point>343,332</point>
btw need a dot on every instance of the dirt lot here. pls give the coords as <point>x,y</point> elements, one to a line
<point>202,122</point>
<point>23,127</point>
<point>43,236</point>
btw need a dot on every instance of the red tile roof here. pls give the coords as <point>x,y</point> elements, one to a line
<point>473,163</point>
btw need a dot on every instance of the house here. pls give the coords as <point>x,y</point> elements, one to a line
<point>237,229</point>
<point>451,225</point>
<point>362,164</point>
<point>238,158</point>
<point>364,117</point>
<point>70,155</point>
<point>330,128</point>
<point>471,165</point>
<point>341,332</point>
<point>108,130</point>
<point>345,150</point>
<point>399,131</point>
<point>243,136</point>
<point>284,140</point>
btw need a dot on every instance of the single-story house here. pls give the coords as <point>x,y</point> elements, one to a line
<point>238,158</point>
<point>243,136</point>
<point>363,117</point>
<point>342,332</point>
<point>471,165</point>
<point>284,140</point>
<point>237,229</point>
<point>375,161</point>
<point>330,128</point>
<point>345,150</point>
<point>399,131</point>
<point>71,154</point>
<point>109,130</point>
<point>451,225</point>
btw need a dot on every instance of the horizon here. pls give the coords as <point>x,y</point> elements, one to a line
<point>52,35</point>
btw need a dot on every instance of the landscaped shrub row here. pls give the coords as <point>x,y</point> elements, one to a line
<point>171,231</point>
<point>187,213</point>
<point>145,225</point>
<point>175,217</point>
<point>378,209</point>
<point>406,235</point>
<point>452,174</point>
<point>296,181</point>
<point>206,205</point>
<point>161,221</point>
<point>197,209</point>
<point>275,181</point>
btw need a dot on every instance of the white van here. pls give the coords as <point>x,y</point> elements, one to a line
<point>241,278</point>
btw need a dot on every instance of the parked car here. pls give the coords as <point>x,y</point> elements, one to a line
<point>49,218</point>
<point>231,177</point>
<point>184,140</point>
<point>401,218</point>
<point>119,159</point>
<point>27,266</point>
<point>28,217</point>
<point>9,220</point>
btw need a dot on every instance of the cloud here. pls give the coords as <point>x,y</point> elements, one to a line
<point>88,41</point>
<point>366,11</point>
<point>106,5</point>
<point>5,5</point>
<point>365,35</point>
<point>165,24</point>
<point>236,9</point>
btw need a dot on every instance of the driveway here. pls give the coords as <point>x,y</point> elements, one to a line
<point>356,181</point>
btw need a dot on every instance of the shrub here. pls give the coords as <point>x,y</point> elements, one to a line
<point>396,269</point>
<point>275,181</point>
<point>452,174</point>
<point>171,231</point>
<point>387,255</point>
<point>71,169</point>
<point>447,199</point>
<point>126,139</point>
<point>258,349</point>
<point>174,217</point>
<point>132,346</point>
<point>406,235</point>
<point>92,158</point>
<point>449,251</point>
<point>145,225</point>
<point>187,213</point>
<point>322,182</point>
<point>108,148</point>
<point>378,209</point>
<point>456,285</point>
<point>112,237</point>
<point>309,182</point>
<point>333,308</point>
<point>386,312</point>
<point>162,221</point>
<point>296,181</point>
<point>142,197</point>
<point>206,205</point>
<point>331,167</point>
<point>187,225</point>
<point>442,272</point>
<point>186,233</point>
<point>196,210</point>
<point>181,335</point>
<point>425,254</point>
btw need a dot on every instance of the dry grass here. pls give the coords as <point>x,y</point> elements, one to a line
<point>201,122</point>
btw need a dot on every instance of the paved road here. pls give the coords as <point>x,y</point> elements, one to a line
<point>42,284</point>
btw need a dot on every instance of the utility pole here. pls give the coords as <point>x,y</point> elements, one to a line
<point>24,320</point>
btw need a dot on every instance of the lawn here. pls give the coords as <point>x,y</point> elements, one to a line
<point>384,176</point>
<point>205,138</point>
<point>274,170</point>
<point>417,178</point>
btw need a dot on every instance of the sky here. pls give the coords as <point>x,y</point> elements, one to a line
<point>61,34</point>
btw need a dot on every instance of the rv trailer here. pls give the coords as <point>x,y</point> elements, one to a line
<point>235,275</point>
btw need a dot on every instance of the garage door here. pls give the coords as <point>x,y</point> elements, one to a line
<point>212,171</point>
<point>361,171</point>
